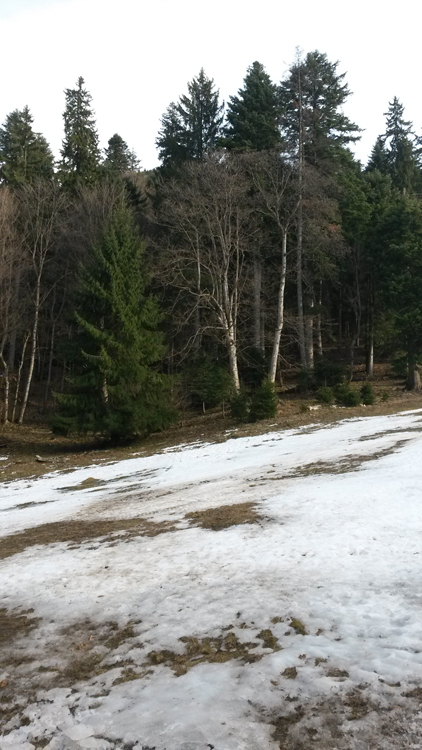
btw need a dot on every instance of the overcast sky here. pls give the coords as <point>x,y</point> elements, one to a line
<point>136,56</point>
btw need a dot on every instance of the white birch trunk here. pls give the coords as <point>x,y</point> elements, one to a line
<point>280,310</point>
<point>33,350</point>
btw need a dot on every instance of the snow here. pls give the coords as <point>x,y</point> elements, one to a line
<point>337,547</point>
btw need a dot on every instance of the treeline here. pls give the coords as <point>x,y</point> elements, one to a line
<point>264,242</point>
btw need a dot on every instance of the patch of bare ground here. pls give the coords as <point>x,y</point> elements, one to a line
<point>77,532</point>
<point>212,650</point>
<point>13,624</point>
<point>77,653</point>
<point>284,723</point>
<point>391,432</point>
<point>345,465</point>
<point>224,516</point>
<point>346,721</point>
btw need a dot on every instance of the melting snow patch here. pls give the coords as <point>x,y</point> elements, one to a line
<point>303,624</point>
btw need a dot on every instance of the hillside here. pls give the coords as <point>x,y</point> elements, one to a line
<point>259,593</point>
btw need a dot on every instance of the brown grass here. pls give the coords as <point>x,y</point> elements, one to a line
<point>225,516</point>
<point>14,624</point>
<point>415,693</point>
<point>283,724</point>
<point>338,674</point>
<point>269,640</point>
<point>358,705</point>
<point>78,532</point>
<point>212,650</point>
<point>345,465</point>
<point>298,626</point>
<point>84,668</point>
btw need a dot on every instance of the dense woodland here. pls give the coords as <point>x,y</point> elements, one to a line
<point>259,243</point>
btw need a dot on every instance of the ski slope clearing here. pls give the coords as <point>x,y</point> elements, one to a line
<point>256,594</point>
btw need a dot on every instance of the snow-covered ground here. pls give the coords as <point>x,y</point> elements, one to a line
<point>301,628</point>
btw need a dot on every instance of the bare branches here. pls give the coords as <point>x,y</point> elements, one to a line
<point>209,216</point>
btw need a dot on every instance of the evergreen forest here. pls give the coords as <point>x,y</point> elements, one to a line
<point>260,243</point>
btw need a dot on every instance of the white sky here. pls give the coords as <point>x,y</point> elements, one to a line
<point>137,57</point>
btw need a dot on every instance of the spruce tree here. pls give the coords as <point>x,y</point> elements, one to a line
<point>114,389</point>
<point>312,96</point>
<point>253,115</point>
<point>24,155</point>
<point>379,157</point>
<point>119,158</point>
<point>316,132</point>
<point>400,150</point>
<point>192,127</point>
<point>80,150</point>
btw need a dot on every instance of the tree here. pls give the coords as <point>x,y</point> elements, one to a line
<point>395,152</point>
<point>41,206</point>
<point>317,132</point>
<point>252,126</point>
<point>379,157</point>
<point>119,158</point>
<point>114,389</point>
<point>276,200</point>
<point>208,214</point>
<point>11,261</point>
<point>80,151</point>
<point>312,95</point>
<point>24,155</point>
<point>253,115</point>
<point>192,127</point>
<point>398,252</point>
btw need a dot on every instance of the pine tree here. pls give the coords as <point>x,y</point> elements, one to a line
<point>401,153</point>
<point>312,95</point>
<point>317,133</point>
<point>24,155</point>
<point>379,157</point>
<point>192,127</point>
<point>119,158</point>
<point>397,250</point>
<point>253,115</point>
<point>114,389</point>
<point>80,151</point>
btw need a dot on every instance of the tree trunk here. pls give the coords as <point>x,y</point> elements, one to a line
<point>33,349</point>
<point>13,333</point>
<point>299,259</point>
<point>414,379</point>
<point>257,284</point>
<point>197,341</point>
<point>50,362</point>
<point>280,310</point>
<point>318,321</point>
<point>352,359</point>
<point>370,335</point>
<point>309,334</point>
<point>370,354</point>
<point>18,379</point>
<point>6,381</point>
<point>340,324</point>
<point>232,349</point>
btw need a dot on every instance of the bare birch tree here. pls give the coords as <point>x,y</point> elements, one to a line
<point>10,266</point>
<point>41,206</point>
<point>276,199</point>
<point>208,213</point>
